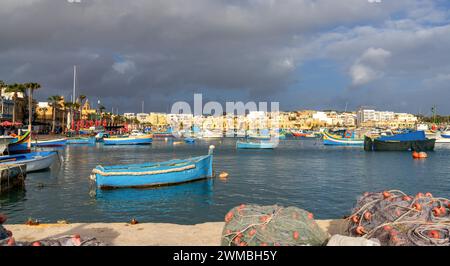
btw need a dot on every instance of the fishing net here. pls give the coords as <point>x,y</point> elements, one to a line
<point>72,240</point>
<point>397,219</point>
<point>254,225</point>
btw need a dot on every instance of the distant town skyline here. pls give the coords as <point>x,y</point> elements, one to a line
<point>304,54</point>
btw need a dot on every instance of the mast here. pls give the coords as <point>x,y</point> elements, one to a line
<point>74,83</point>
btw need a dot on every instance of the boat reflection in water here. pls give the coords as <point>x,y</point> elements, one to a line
<point>154,202</point>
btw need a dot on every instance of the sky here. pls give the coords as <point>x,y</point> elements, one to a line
<point>305,54</point>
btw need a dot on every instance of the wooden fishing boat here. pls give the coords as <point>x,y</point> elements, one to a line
<point>72,141</point>
<point>19,144</point>
<point>410,141</point>
<point>49,143</point>
<point>348,139</point>
<point>255,145</point>
<point>154,174</point>
<point>128,140</point>
<point>34,161</point>
<point>189,140</point>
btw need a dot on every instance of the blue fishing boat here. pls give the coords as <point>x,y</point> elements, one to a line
<point>73,141</point>
<point>189,140</point>
<point>34,161</point>
<point>154,174</point>
<point>128,140</point>
<point>19,144</point>
<point>49,143</point>
<point>255,145</point>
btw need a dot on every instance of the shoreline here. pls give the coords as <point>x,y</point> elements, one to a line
<point>142,234</point>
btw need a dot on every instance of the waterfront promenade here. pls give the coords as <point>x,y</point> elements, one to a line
<point>145,234</point>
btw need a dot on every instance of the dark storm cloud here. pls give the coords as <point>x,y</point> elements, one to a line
<point>128,51</point>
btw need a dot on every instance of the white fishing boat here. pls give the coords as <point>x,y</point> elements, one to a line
<point>34,161</point>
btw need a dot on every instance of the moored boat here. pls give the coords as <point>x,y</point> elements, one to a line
<point>255,145</point>
<point>128,140</point>
<point>34,161</point>
<point>4,142</point>
<point>73,141</point>
<point>410,141</point>
<point>154,174</point>
<point>189,140</point>
<point>19,144</point>
<point>49,143</point>
<point>348,139</point>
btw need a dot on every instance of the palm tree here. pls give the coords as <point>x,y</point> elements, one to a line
<point>44,110</point>
<point>101,108</point>
<point>82,98</point>
<point>55,102</point>
<point>15,88</point>
<point>31,86</point>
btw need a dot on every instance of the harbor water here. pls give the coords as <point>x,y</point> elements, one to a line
<point>303,173</point>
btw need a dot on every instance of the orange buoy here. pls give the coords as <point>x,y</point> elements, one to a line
<point>367,216</point>
<point>355,219</point>
<point>406,198</point>
<point>229,216</point>
<point>134,221</point>
<point>386,194</point>
<point>419,155</point>
<point>428,194</point>
<point>223,175</point>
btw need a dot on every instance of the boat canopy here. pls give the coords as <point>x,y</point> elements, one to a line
<point>410,136</point>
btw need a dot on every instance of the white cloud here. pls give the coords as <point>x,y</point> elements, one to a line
<point>369,66</point>
<point>124,66</point>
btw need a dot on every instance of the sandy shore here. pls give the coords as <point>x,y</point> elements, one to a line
<point>145,234</point>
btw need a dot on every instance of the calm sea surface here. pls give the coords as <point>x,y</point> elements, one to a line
<point>302,173</point>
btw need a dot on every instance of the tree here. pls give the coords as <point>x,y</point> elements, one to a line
<point>31,86</point>
<point>15,88</point>
<point>44,110</point>
<point>82,98</point>
<point>2,85</point>
<point>55,103</point>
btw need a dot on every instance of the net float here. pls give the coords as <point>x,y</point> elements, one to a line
<point>434,234</point>
<point>436,211</point>
<point>428,194</point>
<point>296,235</point>
<point>134,221</point>
<point>229,216</point>
<point>406,198</point>
<point>367,216</point>
<point>310,216</point>
<point>417,206</point>
<point>386,194</point>
<point>36,244</point>
<point>443,210</point>
<point>387,228</point>
<point>360,230</point>
<point>355,219</point>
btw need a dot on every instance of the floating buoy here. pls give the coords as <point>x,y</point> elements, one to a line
<point>223,175</point>
<point>419,155</point>
<point>3,218</point>
<point>31,222</point>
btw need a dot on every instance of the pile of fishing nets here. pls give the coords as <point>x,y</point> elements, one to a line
<point>7,239</point>
<point>254,225</point>
<point>398,219</point>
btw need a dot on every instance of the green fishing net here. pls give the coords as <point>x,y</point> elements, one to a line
<point>254,225</point>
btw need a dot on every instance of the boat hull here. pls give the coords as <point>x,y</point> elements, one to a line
<point>331,140</point>
<point>128,141</point>
<point>34,161</point>
<point>81,141</point>
<point>153,175</point>
<point>255,145</point>
<point>49,143</point>
<point>413,145</point>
